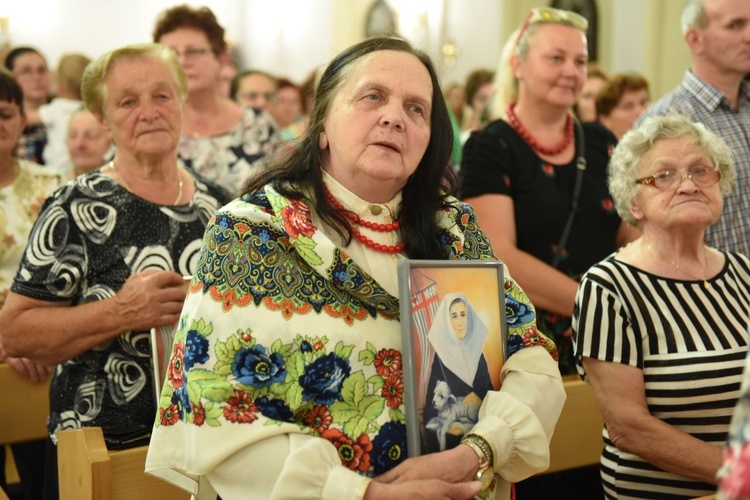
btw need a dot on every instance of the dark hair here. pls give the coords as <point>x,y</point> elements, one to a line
<point>10,59</point>
<point>201,19</point>
<point>476,79</point>
<point>10,90</point>
<point>248,72</point>
<point>609,96</point>
<point>422,196</point>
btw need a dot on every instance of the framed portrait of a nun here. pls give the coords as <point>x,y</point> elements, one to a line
<point>455,343</point>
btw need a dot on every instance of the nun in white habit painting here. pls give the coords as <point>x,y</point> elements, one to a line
<point>459,376</point>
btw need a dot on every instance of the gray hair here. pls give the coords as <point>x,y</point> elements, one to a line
<point>693,16</point>
<point>639,141</point>
<point>94,87</point>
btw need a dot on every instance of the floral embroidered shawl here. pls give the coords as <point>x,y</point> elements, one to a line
<point>283,333</point>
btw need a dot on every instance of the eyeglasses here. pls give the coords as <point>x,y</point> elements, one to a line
<point>190,54</point>
<point>553,16</point>
<point>254,96</point>
<point>669,179</point>
<point>31,71</point>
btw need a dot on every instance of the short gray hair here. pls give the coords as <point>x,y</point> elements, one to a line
<point>637,142</point>
<point>693,16</point>
<point>94,87</point>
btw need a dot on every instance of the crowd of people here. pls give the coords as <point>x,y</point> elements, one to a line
<point>160,184</point>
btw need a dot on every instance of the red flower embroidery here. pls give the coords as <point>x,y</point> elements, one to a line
<point>175,373</point>
<point>169,415</point>
<point>240,408</point>
<point>354,455</point>
<point>319,418</point>
<point>387,361</point>
<point>608,204</point>
<point>318,345</point>
<point>532,338</point>
<point>199,414</point>
<point>548,169</point>
<point>297,219</point>
<point>393,390</point>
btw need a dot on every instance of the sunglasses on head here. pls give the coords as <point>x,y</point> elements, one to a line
<point>552,16</point>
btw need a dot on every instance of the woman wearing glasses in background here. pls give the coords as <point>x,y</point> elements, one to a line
<point>661,325</point>
<point>220,140</point>
<point>30,69</point>
<point>520,173</point>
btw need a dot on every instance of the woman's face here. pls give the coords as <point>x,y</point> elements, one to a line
<point>632,104</point>
<point>378,125</point>
<point>88,142</point>
<point>455,98</point>
<point>288,106</point>
<point>193,49</point>
<point>554,70</point>
<point>480,99</point>
<point>12,122</point>
<point>459,319</point>
<point>30,69</point>
<point>143,109</point>
<point>687,205</point>
<point>586,105</point>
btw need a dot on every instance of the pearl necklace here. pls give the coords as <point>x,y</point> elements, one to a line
<point>384,228</point>
<point>526,135</point>
<point>126,186</point>
<point>674,264</point>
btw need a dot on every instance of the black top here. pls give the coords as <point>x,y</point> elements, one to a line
<point>91,235</point>
<point>498,161</point>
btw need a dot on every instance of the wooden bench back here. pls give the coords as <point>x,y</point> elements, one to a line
<point>577,441</point>
<point>24,408</point>
<point>88,471</point>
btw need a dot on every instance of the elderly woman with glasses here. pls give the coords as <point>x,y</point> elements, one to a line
<point>221,141</point>
<point>661,325</point>
<point>536,179</point>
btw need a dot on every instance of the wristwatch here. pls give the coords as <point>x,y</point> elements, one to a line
<point>482,448</point>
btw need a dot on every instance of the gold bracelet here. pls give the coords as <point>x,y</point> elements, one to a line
<point>483,450</point>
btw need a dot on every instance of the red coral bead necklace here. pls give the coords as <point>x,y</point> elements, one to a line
<point>374,226</point>
<point>526,135</point>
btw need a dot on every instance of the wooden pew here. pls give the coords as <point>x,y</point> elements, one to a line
<point>24,406</point>
<point>577,441</point>
<point>88,471</point>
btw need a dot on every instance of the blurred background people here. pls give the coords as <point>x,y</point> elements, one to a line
<point>30,69</point>
<point>477,93</point>
<point>56,114</point>
<point>226,76</point>
<point>621,101</point>
<point>287,108</point>
<point>106,259</point>
<point>255,89</point>
<point>89,143</point>
<point>24,186</point>
<point>585,106</point>
<point>661,325</point>
<point>221,140</point>
<point>454,96</point>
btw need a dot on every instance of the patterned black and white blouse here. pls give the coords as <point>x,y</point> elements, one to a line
<point>91,235</point>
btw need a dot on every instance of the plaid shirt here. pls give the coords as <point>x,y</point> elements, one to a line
<point>702,103</point>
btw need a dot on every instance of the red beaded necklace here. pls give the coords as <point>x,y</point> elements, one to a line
<point>516,124</point>
<point>374,226</point>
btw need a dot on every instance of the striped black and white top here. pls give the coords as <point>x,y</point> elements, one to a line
<point>689,340</point>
